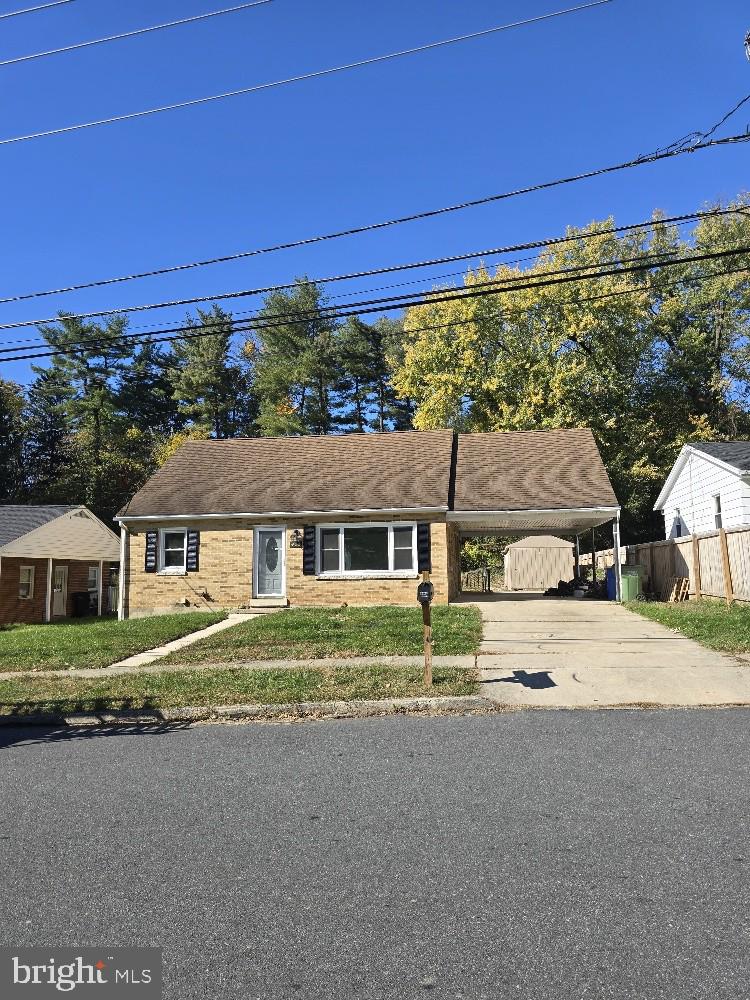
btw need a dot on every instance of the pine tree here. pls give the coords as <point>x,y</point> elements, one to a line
<point>11,442</point>
<point>48,446</point>
<point>146,394</point>
<point>212,393</point>
<point>298,363</point>
<point>355,387</point>
<point>107,464</point>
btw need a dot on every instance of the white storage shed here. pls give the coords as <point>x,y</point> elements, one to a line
<point>538,562</point>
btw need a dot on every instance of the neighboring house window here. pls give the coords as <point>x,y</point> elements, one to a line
<point>717,511</point>
<point>172,548</point>
<point>370,548</point>
<point>26,583</point>
<point>677,533</point>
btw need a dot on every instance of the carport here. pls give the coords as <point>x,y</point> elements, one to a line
<point>533,483</point>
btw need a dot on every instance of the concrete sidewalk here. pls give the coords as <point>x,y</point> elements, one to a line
<point>560,652</point>
<point>142,659</point>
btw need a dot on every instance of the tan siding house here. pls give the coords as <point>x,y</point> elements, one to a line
<point>340,519</point>
<point>50,553</point>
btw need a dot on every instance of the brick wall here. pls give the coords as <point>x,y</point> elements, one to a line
<point>15,609</point>
<point>224,579</point>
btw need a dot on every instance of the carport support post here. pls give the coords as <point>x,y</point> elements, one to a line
<point>593,556</point>
<point>577,557</point>
<point>617,562</point>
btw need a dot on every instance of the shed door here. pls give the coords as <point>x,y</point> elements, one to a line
<point>269,562</point>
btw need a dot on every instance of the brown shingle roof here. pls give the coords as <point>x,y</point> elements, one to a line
<point>531,470</point>
<point>507,470</point>
<point>402,469</point>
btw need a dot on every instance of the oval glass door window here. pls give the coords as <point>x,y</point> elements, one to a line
<point>272,554</point>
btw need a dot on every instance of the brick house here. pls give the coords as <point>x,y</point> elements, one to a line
<point>50,553</point>
<point>352,518</point>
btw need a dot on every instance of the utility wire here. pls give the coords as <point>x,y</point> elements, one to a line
<point>385,304</point>
<point>477,254</point>
<point>298,78</point>
<point>136,330</point>
<point>452,323</point>
<point>372,227</point>
<point>130,34</point>
<point>33,10</point>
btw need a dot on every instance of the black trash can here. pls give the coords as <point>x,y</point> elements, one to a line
<point>81,604</point>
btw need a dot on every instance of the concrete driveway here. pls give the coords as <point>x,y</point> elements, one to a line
<point>560,652</point>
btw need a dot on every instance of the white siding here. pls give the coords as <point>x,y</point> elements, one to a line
<point>693,495</point>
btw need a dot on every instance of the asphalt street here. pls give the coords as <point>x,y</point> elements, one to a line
<point>532,854</point>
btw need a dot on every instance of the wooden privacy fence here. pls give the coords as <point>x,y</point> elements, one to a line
<point>716,563</point>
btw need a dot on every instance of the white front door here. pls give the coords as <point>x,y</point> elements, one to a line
<point>60,591</point>
<point>269,562</point>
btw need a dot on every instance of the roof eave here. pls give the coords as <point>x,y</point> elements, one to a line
<point>687,451</point>
<point>264,515</point>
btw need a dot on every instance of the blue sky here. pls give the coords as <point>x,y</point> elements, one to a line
<point>488,115</point>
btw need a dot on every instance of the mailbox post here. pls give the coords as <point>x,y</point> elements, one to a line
<point>425,591</point>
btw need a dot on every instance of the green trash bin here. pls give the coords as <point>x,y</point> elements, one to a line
<point>632,585</point>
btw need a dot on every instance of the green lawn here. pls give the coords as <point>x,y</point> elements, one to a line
<point>66,694</point>
<point>92,642</point>
<point>310,633</point>
<point>713,623</point>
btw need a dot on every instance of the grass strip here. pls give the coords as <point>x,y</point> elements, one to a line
<point>312,633</point>
<point>712,623</point>
<point>68,695</point>
<point>92,642</point>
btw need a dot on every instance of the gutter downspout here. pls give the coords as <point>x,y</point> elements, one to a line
<point>124,551</point>
<point>48,600</point>
<point>99,598</point>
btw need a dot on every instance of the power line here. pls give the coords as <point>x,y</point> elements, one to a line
<point>456,322</point>
<point>33,10</point>
<point>298,78</point>
<point>385,304</point>
<point>372,227</point>
<point>492,252</point>
<point>134,330</point>
<point>252,312</point>
<point>131,34</point>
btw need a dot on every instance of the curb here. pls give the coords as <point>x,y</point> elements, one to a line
<point>465,705</point>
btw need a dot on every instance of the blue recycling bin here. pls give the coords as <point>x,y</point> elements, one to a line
<point>611,584</point>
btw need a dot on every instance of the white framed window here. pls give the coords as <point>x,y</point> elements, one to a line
<point>371,549</point>
<point>677,533</point>
<point>717,511</point>
<point>172,550</point>
<point>26,583</point>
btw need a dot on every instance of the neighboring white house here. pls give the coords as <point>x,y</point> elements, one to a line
<point>708,488</point>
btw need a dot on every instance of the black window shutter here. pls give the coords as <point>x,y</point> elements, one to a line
<point>424,558</point>
<point>192,560</point>
<point>308,551</point>
<point>152,546</point>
